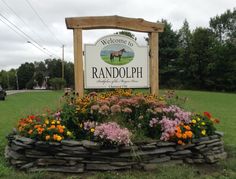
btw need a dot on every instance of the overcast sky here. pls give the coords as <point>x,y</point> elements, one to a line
<point>52,32</point>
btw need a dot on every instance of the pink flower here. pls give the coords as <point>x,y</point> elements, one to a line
<point>127,110</point>
<point>104,109</point>
<point>92,94</point>
<point>113,133</point>
<point>115,108</point>
<point>153,122</point>
<point>95,107</point>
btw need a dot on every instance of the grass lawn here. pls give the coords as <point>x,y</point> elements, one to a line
<point>115,61</point>
<point>221,105</point>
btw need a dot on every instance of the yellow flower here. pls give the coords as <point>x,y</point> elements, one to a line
<point>47,137</point>
<point>92,129</point>
<point>194,121</point>
<point>203,123</point>
<point>53,122</point>
<point>198,119</point>
<point>203,132</point>
<point>69,133</point>
<point>59,138</point>
<point>58,122</point>
<point>83,110</point>
<point>46,121</point>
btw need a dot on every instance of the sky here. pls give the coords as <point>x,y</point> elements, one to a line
<point>40,24</point>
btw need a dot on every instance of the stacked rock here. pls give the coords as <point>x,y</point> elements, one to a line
<point>80,156</point>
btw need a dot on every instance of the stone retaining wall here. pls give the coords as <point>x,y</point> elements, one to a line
<point>80,156</point>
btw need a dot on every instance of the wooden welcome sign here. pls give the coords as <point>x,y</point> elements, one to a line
<point>114,22</point>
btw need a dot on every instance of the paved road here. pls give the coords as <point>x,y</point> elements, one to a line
<point>10,92</point>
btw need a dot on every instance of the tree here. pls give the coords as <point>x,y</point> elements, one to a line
<point>40,73</point>
<point>12,79</point>
<point>25,74</point>
<point>69,74</point>
<point>168,52</point>
<point>203,42</point>
<point>54,68</point>
<point>224,26</point>
<point>4,79</point>
<point>57,83</point>
<point>184,48</point>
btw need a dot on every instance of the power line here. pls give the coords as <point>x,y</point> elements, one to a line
<point>30,5</point>
<point>49,51</point>
<point>23,36</point>
<point>15,26</point>
<point>22,20</point>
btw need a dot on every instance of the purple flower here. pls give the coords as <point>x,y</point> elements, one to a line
<point>89,124</point>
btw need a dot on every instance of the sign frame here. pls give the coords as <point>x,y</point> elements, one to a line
<point>114,22</point>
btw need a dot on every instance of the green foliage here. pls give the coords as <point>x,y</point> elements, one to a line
<point>25,74</point>
<point>224,26</point>
<point>57,83</point>
<point>203,125</point>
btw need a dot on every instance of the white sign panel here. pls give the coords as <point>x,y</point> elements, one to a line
<point>116,61</point>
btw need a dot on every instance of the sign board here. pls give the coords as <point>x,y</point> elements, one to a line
<point>116,61</point>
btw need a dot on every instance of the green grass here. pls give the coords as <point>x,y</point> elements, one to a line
<point>221,105</point>
<point>123,60</point>
<point>12,109</point>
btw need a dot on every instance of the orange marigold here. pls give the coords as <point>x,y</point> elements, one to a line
<point>178,135</point>
<point>187,127</point>
<point>184,136</point>
<point>180,142</point>
<point>189,134</point>
<point>178,129</point>
<point>55,137</point>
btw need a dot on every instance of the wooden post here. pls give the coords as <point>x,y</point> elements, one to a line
<point>154,77</point>
<point>78,62</point>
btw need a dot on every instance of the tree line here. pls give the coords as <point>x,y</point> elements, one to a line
<point>202,59</point>
<point>46,74</point>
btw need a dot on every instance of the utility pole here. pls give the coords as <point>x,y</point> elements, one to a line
<point>62,63</point>
<point>17,82</point>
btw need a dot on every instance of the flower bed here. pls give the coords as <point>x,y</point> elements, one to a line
<point>110,125</point>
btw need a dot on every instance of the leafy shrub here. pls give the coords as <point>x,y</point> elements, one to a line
<point>57,83</point>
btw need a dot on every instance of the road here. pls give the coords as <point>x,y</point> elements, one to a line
<point>10,92</point>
